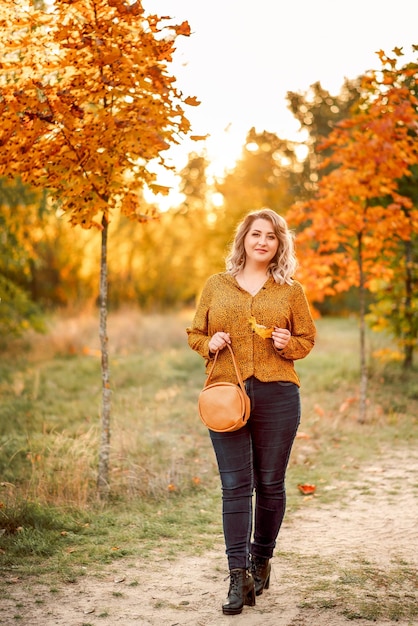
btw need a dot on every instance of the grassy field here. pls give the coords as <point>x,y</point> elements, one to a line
<point>164,483</point>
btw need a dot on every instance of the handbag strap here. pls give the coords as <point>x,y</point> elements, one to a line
<point>238,373</point>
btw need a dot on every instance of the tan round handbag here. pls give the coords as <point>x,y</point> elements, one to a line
<point>224,406</point>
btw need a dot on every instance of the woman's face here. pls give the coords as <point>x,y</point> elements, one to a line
<point>261,242</point>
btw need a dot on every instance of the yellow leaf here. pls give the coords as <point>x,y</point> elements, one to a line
<point>260,329</point>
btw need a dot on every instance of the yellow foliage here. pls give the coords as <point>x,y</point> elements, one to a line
<point>387,355</point>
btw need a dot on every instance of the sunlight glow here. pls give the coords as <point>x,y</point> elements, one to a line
<point>242,86</point>
<point>217,199</point>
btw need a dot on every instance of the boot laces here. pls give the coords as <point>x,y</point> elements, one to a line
<point>234,579</point>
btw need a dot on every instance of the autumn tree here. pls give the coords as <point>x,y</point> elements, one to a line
<point>260,178</point>
<point>88,108</point>
<point>351,233</point>
<point>318,112</point>
<point>395,304</point>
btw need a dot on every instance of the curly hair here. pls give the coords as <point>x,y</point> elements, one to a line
<point>283,265</point>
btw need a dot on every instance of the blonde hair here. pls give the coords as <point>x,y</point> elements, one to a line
<point>283,265</point>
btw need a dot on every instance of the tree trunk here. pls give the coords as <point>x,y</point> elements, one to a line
<point>410,332</point>
<point>363,364</point>
<point>104,451</point>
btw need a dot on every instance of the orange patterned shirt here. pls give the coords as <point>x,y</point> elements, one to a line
<point>225,306</point>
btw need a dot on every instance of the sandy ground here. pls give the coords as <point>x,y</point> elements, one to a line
<point>376,524</point>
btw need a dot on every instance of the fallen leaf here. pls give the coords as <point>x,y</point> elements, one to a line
<point>307,489</point>
<point>345,405</point>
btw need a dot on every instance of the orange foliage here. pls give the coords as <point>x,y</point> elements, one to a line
<point>351,229</point>
<point>87,102</point>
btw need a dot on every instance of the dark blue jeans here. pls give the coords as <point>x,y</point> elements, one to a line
<point>255,458</point>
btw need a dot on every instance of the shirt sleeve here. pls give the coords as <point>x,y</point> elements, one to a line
<point>198,337</point>
<point>303,330</point>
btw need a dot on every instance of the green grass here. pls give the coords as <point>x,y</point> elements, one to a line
<point>165,493</point>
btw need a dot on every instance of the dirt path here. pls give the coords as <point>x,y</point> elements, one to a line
<point>376,528</point>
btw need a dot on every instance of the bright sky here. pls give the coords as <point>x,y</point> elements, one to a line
<point>244,55</point>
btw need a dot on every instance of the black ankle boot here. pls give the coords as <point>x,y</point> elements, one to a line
<point>241,591</point>
<point>260,570</point>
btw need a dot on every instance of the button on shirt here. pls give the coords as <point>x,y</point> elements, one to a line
<point>227,307</point>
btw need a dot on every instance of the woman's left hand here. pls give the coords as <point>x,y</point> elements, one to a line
<point>280,337</point>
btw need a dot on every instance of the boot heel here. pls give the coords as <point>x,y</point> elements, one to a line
<point>260,569</point>
<point>250,597</point>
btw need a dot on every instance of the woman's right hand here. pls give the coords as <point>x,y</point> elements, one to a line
<point>218,341</point>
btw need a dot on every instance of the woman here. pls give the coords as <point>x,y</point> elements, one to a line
<point>256,293</point>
